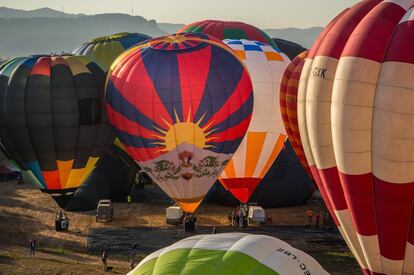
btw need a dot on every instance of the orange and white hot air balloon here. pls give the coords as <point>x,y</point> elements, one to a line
<point>266,135</point>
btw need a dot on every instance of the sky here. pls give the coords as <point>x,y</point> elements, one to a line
<point>261,13</point>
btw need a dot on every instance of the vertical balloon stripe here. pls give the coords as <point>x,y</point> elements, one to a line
<point>193,79</point>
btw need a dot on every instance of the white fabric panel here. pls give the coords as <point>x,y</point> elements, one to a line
<point>303,128</point>
<point>349,233</point>
<point>352,114</point>
<point>266,77</point>
<point>318,111</point>
<point>393,138</point>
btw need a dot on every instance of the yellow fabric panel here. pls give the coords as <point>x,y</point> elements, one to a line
<point>273,56</point>
<point>74,178</point>
<point>118,143</point>
<point>230,170</point>
<point>77,176</point>
<point>90,165</point>
<point>106,53</point>
<point>255,141</point>
<point>276,150</point>
<point>76,67</point>
<point>64,168</point>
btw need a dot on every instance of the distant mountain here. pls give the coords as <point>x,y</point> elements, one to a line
<point>43,12</point>
<point>27,36</point>
<point>169,27</point>
<point>304,37</point>
<point>46,30</point>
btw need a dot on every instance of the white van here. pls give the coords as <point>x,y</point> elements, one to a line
<point>257,215</point>
<point>174,215</point>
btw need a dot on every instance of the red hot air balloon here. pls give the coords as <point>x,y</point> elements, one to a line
<point>289,108</point>
<point>230,30</point>
<point>359,120</point>
<point>181,105</point>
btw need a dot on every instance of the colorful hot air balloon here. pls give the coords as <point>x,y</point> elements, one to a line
<point>359,120</point>
<point>52,119</point>
<point>181,105</point>
<point>107,48</point>
<point>289,108</point>
<point>265,136</point>
<point>230,30</point>
<point>227,254</point>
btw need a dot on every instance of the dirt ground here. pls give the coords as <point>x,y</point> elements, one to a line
<point>26,213</point>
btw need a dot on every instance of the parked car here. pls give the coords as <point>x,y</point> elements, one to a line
<point>104,211</point>
<point>257,215</point>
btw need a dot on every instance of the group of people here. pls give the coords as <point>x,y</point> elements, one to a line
<point>190,220</point>
<point>239,216</point>
<point>312,219</point>
<point>132,264</point>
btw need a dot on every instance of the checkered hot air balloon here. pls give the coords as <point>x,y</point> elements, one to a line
<point>356,92</point>
<point>181,105</point>
<point>266,135</point>
<point>52,119</point>
<point>230,30</point>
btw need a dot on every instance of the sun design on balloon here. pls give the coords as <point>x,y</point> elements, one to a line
<point>185,132</point>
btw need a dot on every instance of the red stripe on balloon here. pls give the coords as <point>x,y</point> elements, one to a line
<point>394,207</point>
<point>193,68</point>
<point>359,195</point>
<point>131,127</point>
<point>402,45</point>
<point>233,133</point>
<point>41,67</point>
<point>143,154</point>
<point>335,40</point>
<point>134,77</point>
<point>234,102</point>
<point>371,37</point>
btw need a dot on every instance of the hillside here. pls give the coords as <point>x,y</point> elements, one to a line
<point>27,36</point>
<point>45,30</point>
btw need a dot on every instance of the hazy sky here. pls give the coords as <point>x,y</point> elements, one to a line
<point>262,13</point>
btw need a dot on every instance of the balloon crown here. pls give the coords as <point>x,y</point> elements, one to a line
<point>178,41</point>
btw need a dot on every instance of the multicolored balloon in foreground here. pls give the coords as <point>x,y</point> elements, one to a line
<point>52,119</point>
<point>227,254</point>
<point>357,93</point>
<point>181,105</point>
<point>229,30</point>
<point>289,106</point>
<point>107,48</point>
<point>266,135</point>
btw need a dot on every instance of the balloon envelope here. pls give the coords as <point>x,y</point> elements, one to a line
<point>229,253</point>
<point>181,105</point>
<point>229,30</point>
<point>52,119</point>
<point>358,120</point>
<point>266,135</point>
<point>107,48</point>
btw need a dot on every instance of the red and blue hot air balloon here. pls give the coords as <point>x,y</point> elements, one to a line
<point>181,105</point>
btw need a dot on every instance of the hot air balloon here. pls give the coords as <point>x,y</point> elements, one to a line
<point>291,49</point>
<point>107,48</point>
<point>288,106</point>
<point>181,105</point>
<point>265,136</point>
<point>285,184</point>
<point>229,30</point>
<point>229,253</point>
<point>52,119</point>
<point>359,121</point>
